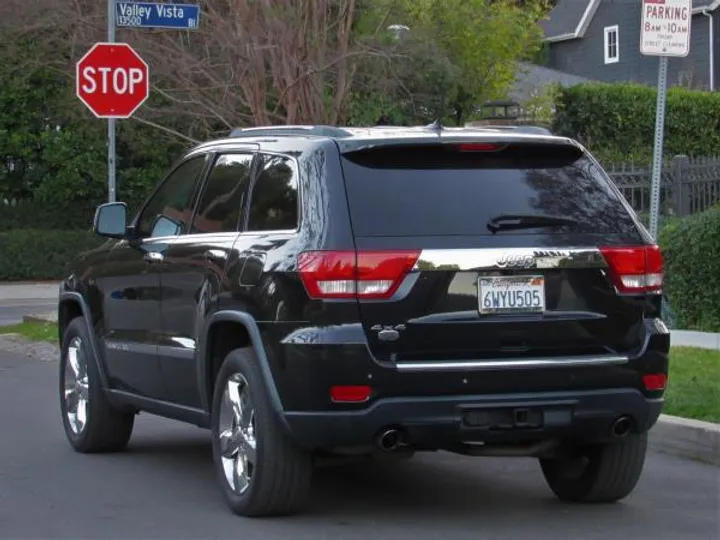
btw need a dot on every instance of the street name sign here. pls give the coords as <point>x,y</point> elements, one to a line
<point>665,28</point>
<point>112,80</point>
<point>157,15</point>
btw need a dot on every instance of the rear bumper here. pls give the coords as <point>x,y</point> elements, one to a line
<point>440,422</point>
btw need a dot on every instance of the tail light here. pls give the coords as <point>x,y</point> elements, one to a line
<point>350,274</point>
<point>635,269</point>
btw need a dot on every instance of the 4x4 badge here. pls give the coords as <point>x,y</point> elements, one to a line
<point>515,261</point>
<point>388,333</point>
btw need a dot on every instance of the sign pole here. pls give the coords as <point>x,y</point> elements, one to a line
<point>664,31</point>
<point>111,121</point>
<point>658,150</point>
<point>112,79</point>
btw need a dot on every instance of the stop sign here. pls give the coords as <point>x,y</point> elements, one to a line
<point>112,80</point>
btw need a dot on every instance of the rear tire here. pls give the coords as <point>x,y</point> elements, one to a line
<point>91,423</point>
<point>600,473</point>
<point>261,471</point>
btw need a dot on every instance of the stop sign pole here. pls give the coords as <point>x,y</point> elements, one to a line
<point>112,80</point>
<point>111,121</point>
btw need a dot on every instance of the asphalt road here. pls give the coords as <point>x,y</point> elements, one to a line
<point>163,487</point>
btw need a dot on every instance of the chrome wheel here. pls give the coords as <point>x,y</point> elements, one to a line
<point>236,430</point>
<point>76,386</point>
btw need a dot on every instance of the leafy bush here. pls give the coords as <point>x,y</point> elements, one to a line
<point>51,217</point>
<point>55,152</point>
<point>28,254</point>
<point>664,220</point>
<point>692,269</point>
<point>616,121</point>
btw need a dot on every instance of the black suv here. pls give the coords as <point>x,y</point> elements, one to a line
<point>316,291</point>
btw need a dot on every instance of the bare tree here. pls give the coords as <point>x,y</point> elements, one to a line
<point>260,62</point>
<point>251,62</point>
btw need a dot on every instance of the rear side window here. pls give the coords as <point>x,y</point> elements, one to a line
<point>440,190</point>
<point>220,205</point>
<point>274,198</point>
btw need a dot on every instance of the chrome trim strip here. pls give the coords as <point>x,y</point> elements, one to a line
<point>539,362</point>
<point>509,259</point>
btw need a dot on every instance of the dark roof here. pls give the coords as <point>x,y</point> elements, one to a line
<point>699,4</point>
<point>564,17</point>
<point>531,77</point>
<point>569,19</point>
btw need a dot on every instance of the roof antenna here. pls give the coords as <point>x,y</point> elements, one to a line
<point>436,125</point>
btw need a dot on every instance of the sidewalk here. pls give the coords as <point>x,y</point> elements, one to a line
<point>20,300</point>
<point>28,290</point>
<point>701,340</point>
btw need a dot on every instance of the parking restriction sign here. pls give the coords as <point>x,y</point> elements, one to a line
<point>665,28</point>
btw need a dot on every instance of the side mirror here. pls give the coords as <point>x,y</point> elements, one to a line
<point>111,220</point>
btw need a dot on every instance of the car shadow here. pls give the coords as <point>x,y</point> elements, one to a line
<point>435,487</point>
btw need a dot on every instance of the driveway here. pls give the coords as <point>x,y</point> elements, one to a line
<point>163,487</point>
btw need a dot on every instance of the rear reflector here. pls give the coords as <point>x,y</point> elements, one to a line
<point>350,394</point>
<point>655,381</point>
<point>635,269</point>
<point>347,274</point>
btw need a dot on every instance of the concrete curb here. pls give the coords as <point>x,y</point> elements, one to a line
<point>40,319</point>
<point>686,438</point>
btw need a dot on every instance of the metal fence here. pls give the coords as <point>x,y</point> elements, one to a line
<point>688,185</point>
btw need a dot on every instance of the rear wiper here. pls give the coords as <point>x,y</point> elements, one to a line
<point>526,221</point>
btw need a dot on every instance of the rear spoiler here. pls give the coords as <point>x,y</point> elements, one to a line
<point>501,137</point>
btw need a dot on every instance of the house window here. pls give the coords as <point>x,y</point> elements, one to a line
<point>612,46</point>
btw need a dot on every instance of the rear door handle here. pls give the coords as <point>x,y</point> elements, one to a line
<point>154,257</point>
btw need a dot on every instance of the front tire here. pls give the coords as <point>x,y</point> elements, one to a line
<point>91,423</point>
<point>601,473</point>
<point>261,471</point>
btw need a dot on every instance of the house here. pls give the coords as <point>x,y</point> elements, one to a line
<point>532,79</point>
<point>600,40</point>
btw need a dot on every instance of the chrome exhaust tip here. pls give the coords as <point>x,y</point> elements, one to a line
<point>622,426</point>
<point>388,439</point>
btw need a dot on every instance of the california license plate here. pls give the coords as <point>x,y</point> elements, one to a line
<point>511,294</point>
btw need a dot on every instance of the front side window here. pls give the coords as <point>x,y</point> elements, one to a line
<point>220,206</point>
<point>274,197</point>
<point>169,210</point>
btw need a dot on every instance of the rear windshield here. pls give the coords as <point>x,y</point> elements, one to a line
<point>438,190</point>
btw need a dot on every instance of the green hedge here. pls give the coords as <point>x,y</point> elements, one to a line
<point>54,217</point>
<point>27,254</point>
<point>692,270</point>
<point>617,121</point>
<point>51,217</point>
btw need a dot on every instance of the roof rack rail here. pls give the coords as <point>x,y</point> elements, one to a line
<point>319,131</point>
